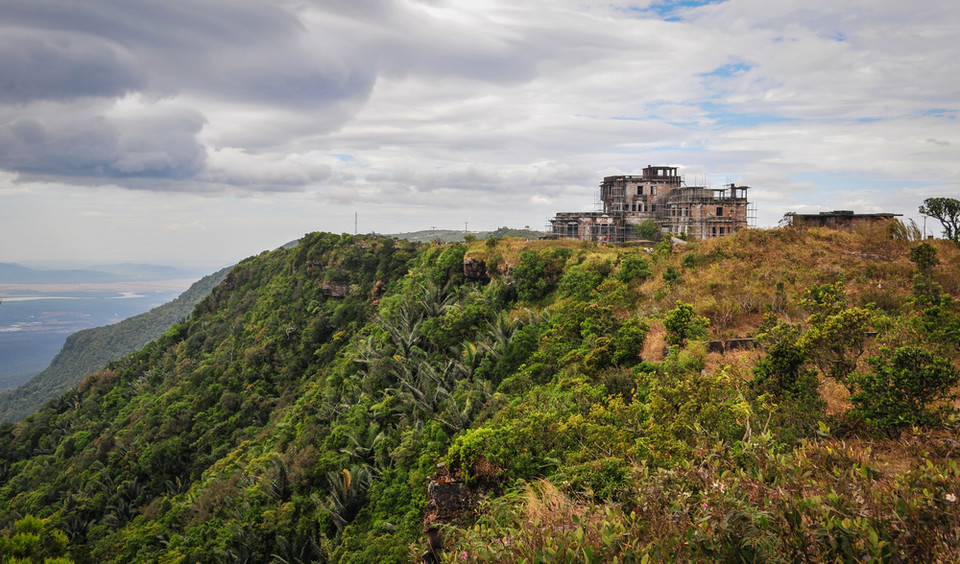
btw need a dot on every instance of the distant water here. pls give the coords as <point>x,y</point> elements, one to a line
<point>36,320</point>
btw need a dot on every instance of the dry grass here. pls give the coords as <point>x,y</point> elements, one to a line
<point>734,281</point>
<point>544,504</point>
<point>739,363</point>
<point>836,396</point>
<point>655,342</point>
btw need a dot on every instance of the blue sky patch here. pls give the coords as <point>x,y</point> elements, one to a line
<point>940,113</point>
<point>343,157</point>
<point>670,10</point>
<point>728,70</point>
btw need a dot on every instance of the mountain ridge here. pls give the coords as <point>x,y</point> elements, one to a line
<point>315,402</point>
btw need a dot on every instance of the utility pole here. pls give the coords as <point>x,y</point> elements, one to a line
<point>355,232</point>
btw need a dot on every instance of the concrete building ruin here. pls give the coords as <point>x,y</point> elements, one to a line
<point>661,195</point>
<point>840,219</point>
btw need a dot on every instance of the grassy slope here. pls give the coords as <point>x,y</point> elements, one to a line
<point>280,422</point>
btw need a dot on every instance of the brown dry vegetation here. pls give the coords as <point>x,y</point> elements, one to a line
<point>845,494</point>
<point>733,280</point>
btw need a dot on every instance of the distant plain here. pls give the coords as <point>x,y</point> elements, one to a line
<point>35,319</point>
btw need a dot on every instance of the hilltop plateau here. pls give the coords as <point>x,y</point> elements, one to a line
<point>369,399</point>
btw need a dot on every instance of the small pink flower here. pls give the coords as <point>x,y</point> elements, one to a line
<point>463,555</point>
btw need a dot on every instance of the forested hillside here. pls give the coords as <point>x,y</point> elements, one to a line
<point>90,350</point>
<point>565,392</point>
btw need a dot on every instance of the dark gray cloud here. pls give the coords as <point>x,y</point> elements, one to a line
<point>286,70</point>
<point>162,145</point>
<point>63,66</point>
<point>233,50</point>
<point>256,56</point>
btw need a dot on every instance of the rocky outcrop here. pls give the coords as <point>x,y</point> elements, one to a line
<point>335,289</point>
<point>451,499</point>
<point>475,269</point>
<point>448,498</point>
<point>379,288</point>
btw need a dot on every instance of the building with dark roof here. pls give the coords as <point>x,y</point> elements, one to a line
<point>840,219</point>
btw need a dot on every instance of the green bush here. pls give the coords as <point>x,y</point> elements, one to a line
<point>925,289</point>
<point>683,324</point>
<point>835,341</point>
<point>671,275</point>
<point>580,281</point>
<point>34,540</point>
<point>538,271</point>
<point>449,267</point>
<point>629,342</point>
<point>633,267</point>
<point>784,374</point>
<point>901,392</point>
<point>648,230</point>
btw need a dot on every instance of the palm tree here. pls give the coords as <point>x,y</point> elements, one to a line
<point>346,494</point>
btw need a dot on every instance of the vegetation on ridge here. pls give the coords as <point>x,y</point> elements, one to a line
<point>299,413</point>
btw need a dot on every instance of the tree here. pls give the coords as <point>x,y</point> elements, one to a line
<point>899,392</point>
<point>34,540</point>
<point>926,290</point>
<point>784,374</point>
<point>648,230</point>
<point>947,212</point>
<point>836,342</point>
<point>683,323</point>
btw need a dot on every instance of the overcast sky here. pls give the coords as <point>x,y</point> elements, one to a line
<point>204,131</point>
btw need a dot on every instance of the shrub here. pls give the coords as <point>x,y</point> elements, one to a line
<point>648,230</point>
<point>671,275</point>
<point>633,267</point>
<point>34,539</point>
<point>538,272</point>
<point>580,281</point>
<point>629,342</point>
<point>900,392</point>
<point>683,323</point>
<point>450,265</point>
<point>940,322</point>
<point>925,289</point>
<point>823,301</point>
<point>836,341</point>
<point>784,374</point>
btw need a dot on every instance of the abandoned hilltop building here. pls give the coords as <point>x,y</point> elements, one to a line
<point>840,219</point>
<point>661,195</point>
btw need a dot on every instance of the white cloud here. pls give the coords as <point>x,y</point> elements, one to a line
<point>499,112</point>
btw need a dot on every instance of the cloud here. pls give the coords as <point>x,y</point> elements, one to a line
<point>160,143</point>
<point>497,109</point>
<point>481,191</point>
<point>62,66</point>
<point>233,167</point>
